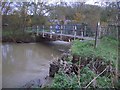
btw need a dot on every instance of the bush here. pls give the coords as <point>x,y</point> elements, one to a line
<point>106,51</point>
<point>62,80</point>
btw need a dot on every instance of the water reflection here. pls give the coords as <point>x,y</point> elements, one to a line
<point>23,62</point>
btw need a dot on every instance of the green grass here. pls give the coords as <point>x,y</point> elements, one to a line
<point>62,80</point>
<point>106,50</point>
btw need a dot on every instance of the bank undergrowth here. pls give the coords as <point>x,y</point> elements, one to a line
<point>16,36</point>
<point>106,49</point>
<point>105,54</point>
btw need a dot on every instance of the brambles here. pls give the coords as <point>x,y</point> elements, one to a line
<point>96,66</point>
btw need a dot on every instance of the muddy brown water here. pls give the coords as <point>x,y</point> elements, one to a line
<point>27,61</point>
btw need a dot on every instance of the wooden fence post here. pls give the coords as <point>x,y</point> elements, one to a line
<point>99,30</point>
<point>118,45</point>
<point>96,35</point>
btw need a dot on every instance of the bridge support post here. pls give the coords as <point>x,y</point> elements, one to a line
<point>50,31</point>
<point>69,40</point>
<point>61,32</point>
<point>82,33</point>
<point>75,28</point>
<point>85,30</point>
<point>43,32</point>
<point>37,31</point>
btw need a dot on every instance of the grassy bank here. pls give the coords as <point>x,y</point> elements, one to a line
<point>105,54</point>
<point>106,49</point>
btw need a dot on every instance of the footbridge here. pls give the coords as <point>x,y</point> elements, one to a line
<point>64,33</point>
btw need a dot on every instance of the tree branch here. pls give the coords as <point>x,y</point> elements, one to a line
<point>96,77</point>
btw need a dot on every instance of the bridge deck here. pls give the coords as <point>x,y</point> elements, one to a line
<point>40,32</point>
<point>72,36</point>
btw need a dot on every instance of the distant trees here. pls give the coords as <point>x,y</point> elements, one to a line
<point>79,12</point>
<point>109,13</point>
<point>83,13</point>
<point>24,14</point>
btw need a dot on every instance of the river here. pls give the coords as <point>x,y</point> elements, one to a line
<point>27,61</point>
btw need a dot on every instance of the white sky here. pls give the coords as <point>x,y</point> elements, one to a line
<point>87,1</point>
<point>53,1</point>
<point>100,2</point>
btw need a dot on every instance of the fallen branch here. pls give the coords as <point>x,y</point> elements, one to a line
<point>96,77</point>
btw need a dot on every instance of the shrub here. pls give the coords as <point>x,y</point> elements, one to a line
<point>106,51</point>
<point>62,80</point>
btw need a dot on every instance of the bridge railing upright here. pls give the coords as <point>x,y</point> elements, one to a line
<point>30,29</point>
<point>63,29</point>
<point>72,30</point>
<point>75,30</point>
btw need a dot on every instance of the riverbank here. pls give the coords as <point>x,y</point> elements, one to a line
<point>88,67</point>
<point>81,56</point>
<point>24,39</point>
<point>17,36</point>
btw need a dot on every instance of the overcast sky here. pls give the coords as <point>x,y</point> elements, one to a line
<point>53,1</point>
<point>87,1</point>
<point>100,2</point>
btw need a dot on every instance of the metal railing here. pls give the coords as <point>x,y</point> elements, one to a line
<point>75,30</point>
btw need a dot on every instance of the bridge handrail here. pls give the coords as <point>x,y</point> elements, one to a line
<point>75,30</point>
